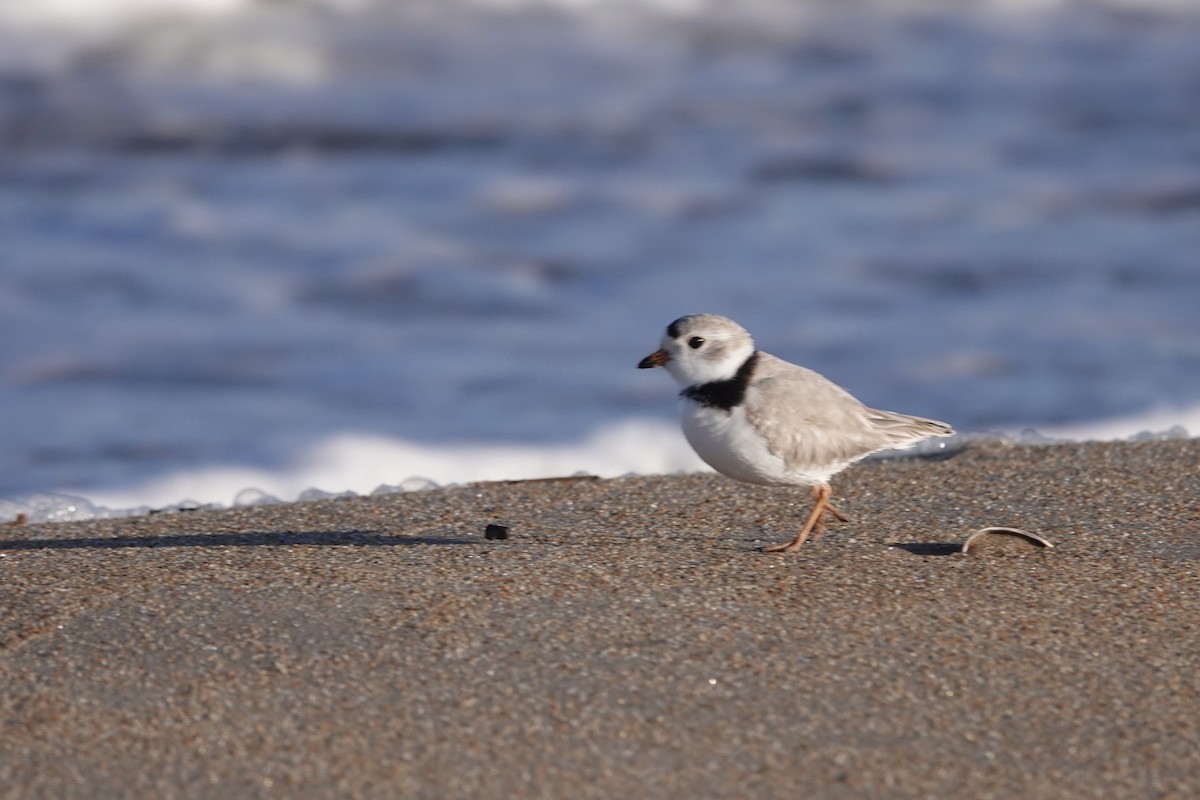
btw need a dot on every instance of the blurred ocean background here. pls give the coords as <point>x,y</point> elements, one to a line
<point>285,245</point>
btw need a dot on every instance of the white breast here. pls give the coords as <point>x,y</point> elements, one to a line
<point>729,444</point>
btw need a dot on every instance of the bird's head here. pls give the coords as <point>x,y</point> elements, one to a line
<point>701,348</point>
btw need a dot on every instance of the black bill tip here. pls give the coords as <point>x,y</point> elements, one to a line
<point>655,359</point>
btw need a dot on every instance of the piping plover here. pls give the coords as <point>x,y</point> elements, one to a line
<point>760,419</point>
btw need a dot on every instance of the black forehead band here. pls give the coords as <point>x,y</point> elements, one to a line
<point>673,328</point>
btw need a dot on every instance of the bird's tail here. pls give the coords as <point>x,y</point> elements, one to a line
<point>906,429</point>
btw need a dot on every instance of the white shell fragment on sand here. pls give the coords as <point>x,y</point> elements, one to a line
<point>983,533</point>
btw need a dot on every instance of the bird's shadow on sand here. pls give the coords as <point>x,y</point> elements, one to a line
<point>929,548</point>
<point>250,539</point>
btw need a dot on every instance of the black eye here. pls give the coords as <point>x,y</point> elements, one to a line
<point>695,342</point>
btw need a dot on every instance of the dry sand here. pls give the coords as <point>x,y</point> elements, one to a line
<point>627,640</point>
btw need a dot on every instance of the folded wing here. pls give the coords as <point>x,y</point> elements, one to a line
<point>811,422</point>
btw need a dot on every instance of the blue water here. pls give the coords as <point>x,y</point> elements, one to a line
<point>232,243</point>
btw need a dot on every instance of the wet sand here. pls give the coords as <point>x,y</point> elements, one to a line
<point>627,640</point>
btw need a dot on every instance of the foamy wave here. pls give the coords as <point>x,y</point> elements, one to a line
<point>362,464</point>
<point>112,14</point>
<point>109,13</point>
<point>1161,423</point>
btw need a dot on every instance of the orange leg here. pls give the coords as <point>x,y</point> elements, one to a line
<point>815,524</point>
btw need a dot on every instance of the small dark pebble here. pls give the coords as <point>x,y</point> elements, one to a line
<point>496,532</point>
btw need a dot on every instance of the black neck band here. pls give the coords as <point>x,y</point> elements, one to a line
<point>726,394</point>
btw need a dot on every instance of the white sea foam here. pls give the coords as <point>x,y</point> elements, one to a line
<point>1161,423</point>
<point>108,13</point>
<point>111,14</point>
<point>364,464</point>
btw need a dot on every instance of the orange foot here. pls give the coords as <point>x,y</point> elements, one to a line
<point>815,524</point>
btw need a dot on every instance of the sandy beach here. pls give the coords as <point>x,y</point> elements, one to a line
<point>627,640</point>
